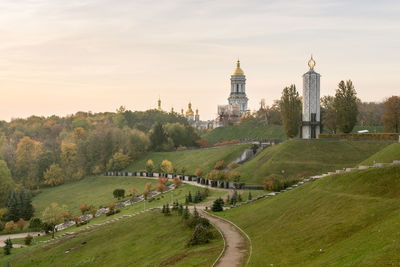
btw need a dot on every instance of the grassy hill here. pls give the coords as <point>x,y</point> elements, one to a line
<point>95,190</point>
<point>261,132</point>
<point>310,157</point>
<point>245,132</point>
<point>351,219</point>
<point>192,159</point>
<point>149,239</point>
<point>386,155</point>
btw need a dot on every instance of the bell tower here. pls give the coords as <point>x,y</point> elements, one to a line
<point>238,89</point>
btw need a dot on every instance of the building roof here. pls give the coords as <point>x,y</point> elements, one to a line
<point>238,70</point>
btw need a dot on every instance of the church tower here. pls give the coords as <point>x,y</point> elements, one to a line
<point>311,117</point>
<point>238,89</point>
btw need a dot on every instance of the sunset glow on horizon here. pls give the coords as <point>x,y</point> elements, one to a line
<point>60,57</point>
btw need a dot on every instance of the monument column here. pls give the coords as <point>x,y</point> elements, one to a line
<point>311,117</point>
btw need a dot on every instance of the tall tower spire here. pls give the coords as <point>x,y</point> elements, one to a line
<point>159,104</point>
<point>311,115</point>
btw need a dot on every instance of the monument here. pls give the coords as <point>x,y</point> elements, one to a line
<point>311,116</point>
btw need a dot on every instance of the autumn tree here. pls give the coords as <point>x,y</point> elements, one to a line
<point>149,166</point>
<point>133,192</point>
<point>346,106</point>
<point>119,161</point>
<point>161,187</point>
<point>158,137</point>
<point>69,159</point>
<point>290,106</point>
<point>26,166</point>
<point>391,117</point>
<point>54,215</point>
<point>198,172</point>
<point>147,190</point>
<point>177,182</point>
<point>166,166</point>
<point>54,175</point>
<point>139,144</point>
<point>84,208</point>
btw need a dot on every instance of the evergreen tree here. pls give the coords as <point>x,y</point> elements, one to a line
<point>11,205</point>
<point>290,105</point>
<point>163,209</point>
<point>8,246</point>
<point>167,211</point>
<point>180,210</point>
<point>250,197</point>
<point>158,137</point>
<point>27,207</point>
<point>218,205</point>
<point>190,199</point>
<point>346,105</point>
<point>186,213</point>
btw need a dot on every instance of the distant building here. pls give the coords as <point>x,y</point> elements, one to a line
<point>311,117</point>
<point>237,100</point>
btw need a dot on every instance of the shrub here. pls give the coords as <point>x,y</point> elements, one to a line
<point>119,193</point>
<point>200,235</point>
<point>234,176</point>
<point>166,166</point>
<point>93,211</point>
<point>21,224</point>
<point>198,172</point>
<point>161,187</point>
<point>35,224</point>
<point>84,208</point>
<point>9,227</point>
<point>149,166</point>
<point>274,183</point>
<point>77,220</point>
<point>220,165</point>
<point>111,206</point>
<point>28,240</point>
<point>202,143</point>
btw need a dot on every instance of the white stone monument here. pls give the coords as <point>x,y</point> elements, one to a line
<point>311,117</point>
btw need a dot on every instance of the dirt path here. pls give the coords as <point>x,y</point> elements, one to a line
<point>22,235</point>
<point>235,244</point>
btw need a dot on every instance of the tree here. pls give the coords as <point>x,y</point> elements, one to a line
<point>93,211</point>
<point>220,165</point>
<point>147,189</point>
<point>21,224</point>
<point>290,106</point>
<point>328,113</point>
<point>6,182</point>
<point>346,105</point>
<point>139,144</point>
<point>166,166</point>
<point>158,137</point>
<point>54,175</point>
<point>177,132</point>
<point>69,159</point>
<point>9,227</point>
<point>54,215</point>
<point>177,182</point>
<point>133,192</point>
<point>19,205</point>
<point>198,172</point>
<point>391,117</point>
<point>161,187</point>
<point>149,166</point>
<point>118,162</point>
<point>119,193</point>
<point>183,170</point>
<point>218,205</point>
<point>8,246</point>
<point>26,166</point>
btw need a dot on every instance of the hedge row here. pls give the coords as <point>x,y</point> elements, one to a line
<point>364,136</point>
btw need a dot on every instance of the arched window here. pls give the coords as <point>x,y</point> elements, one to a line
<point>237,88</point>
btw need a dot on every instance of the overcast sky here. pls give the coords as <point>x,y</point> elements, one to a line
<point>60,57</point>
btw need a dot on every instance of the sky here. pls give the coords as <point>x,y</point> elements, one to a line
<point>60,57</point>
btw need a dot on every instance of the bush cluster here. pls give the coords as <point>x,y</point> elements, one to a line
<point>275,183</point>
<point>234,141</point>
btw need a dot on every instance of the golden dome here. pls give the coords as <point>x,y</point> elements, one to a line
<point>197,112</point>
<point>189,112</point>
<point>238,70</point>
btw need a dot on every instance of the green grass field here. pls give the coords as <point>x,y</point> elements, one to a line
<point>149,239</point>
<point>192,159</point>
<point>310,157</point>
<point>93,190</point>
<point>350,219</point>
<point>245,132</point>
<point>386,155</point>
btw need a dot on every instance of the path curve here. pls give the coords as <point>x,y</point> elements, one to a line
<point>12,236</point>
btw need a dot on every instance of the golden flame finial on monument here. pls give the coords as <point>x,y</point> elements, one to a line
<point>311,63</point>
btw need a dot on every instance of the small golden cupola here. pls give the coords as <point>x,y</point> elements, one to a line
<point>182,113</point>
<point>238,70</point>
<point>189,112</point>
<point>159,104</point>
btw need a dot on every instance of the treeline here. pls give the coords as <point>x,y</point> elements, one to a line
<point>339,113</point>
<point>50,150</point>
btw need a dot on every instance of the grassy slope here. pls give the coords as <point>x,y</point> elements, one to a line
<point>149,239</point>
<point>261,132</point>
<point>244,132</point>
<point>354,218</point>
<point>386,155</point>
<point>94,191</point>
<point>192,159</point>
<point>311,157</point>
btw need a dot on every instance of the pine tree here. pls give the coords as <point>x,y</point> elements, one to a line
<point>290,105</point>
<point>186,213</point>
<point>218,205</point>
<point>8,246</point>
<point>27,207</point>
<point>163,209</point>
<point>196,214</point>
<point>167,211</point>
<point>190,197</point>
<point>346,105</point>
<point>11,205</point>
<point>250,196</point>
<point>180,210</point>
